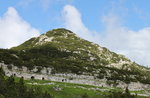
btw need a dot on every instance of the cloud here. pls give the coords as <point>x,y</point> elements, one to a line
<point>116,37</point>
<point>72,20</point>
<point>133,44</point>
<point>14,30</point>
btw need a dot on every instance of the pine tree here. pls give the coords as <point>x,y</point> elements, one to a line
<point>21,88</point>
<point>2,81</point>
<point>11,87</point>
<point>127,93</point>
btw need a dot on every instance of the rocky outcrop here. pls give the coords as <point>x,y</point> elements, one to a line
<point>45,73</point>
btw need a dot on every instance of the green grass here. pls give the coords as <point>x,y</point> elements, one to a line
<point>72,90</point>
<point>68,90</point>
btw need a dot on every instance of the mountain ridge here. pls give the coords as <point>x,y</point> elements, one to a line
<point>65,52</point>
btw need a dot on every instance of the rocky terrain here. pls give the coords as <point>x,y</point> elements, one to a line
<point>69,77</point>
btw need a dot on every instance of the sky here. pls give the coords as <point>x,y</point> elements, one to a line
<point>123,26</point>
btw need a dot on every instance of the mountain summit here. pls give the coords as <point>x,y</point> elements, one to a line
<point>78,49</point>
<point>64,52</point>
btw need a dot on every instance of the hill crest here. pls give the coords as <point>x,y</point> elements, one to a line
<point>64,52</point>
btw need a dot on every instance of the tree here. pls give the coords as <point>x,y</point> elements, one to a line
<point>85,95</point>
<point>11,87</point>
<point>21,88</point>
<point>2,81</point>
<point>2,74</point>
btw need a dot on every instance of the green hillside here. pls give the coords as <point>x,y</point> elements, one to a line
<point>13,87</point>
<point>65,52</point>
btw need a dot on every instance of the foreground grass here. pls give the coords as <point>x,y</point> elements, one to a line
<point>67,90</point>
<point>72,90</point>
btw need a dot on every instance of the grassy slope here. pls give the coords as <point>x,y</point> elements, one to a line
<point>71,90</point>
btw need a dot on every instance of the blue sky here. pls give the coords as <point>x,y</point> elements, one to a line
<point>123,26</point>
<point>135,12</point>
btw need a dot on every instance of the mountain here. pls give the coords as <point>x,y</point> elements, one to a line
<point>64,52</point>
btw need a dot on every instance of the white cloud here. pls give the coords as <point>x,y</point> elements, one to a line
<point>14,30</point>
<point>72,20</point>
<point>133,44</point>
